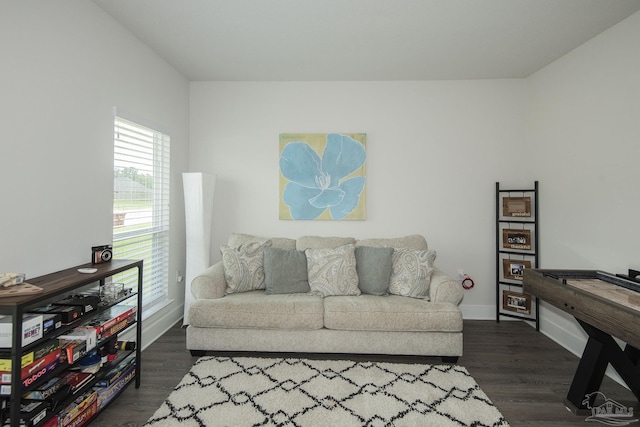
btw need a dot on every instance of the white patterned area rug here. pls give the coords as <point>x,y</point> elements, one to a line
<point>248,391</point>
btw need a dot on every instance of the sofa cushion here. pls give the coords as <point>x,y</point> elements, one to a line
<point>243,266</point>
<point>238,239</point>
<point>411,273</point>
<point>374,269</point>
<point>390,313</point>
<point>332,271</point>
<point>414,242</point>
<point>318,242</point>
<point>258,311</point>
<point>285,271</point>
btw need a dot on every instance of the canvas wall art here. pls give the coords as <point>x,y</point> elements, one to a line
<point>322,176</point>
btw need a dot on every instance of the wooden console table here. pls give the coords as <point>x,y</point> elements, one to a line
<point>605,308</point>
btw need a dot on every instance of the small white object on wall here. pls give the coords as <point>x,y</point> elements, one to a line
<point>198,206</point>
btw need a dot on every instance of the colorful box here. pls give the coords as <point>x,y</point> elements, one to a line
<point>31,413</point>
<point>81,334</point>
<point>106,394</point>
<point>32,368</point>
<point>31,329</point>
<point>80,411</point>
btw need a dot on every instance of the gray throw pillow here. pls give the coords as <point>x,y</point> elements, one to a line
<point>285,271</point>
<point>374,269</point>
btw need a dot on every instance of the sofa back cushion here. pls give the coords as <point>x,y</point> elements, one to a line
<point>374,269</point>
<point>414,242</point>
<point>238,239</point>
<point>285,271</point>
<point>319,242</point>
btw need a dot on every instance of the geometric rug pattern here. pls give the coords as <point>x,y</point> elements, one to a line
<point>250,391</point>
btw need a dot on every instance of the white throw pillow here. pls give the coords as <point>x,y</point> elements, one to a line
<point>411,273</point>
<point>243,266</point>
<point>332,271</point>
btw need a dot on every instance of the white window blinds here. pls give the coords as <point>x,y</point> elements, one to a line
<point>141,207</point>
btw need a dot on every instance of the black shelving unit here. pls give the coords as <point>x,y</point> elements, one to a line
<point>517,248</point>
<point>54,287</point>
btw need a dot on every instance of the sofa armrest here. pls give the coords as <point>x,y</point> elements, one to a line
<point>444,289</point>
<point>210,284</point>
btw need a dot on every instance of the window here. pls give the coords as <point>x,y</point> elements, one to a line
<point>141,207</point>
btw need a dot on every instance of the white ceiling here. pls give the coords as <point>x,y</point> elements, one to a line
<point>302,40</point>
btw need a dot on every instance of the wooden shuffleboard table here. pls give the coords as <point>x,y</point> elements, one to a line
<point>606,306</point>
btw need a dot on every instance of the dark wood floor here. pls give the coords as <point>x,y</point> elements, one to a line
<point>523,372</point>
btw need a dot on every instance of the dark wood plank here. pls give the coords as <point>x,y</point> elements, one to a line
<point>524,373</point>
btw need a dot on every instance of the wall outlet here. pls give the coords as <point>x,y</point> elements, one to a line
<point>179,277</point>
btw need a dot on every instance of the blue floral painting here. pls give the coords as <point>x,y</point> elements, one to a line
<point>322,176</point>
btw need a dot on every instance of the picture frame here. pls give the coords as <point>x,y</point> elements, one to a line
<point>516,239</point>
<point>516,206</point>
<point>517,302</point>
<point>322,176</point>
<point>513,268</point>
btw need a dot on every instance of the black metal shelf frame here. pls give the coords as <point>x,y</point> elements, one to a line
<point>501,252</point>
<point>54,286</point>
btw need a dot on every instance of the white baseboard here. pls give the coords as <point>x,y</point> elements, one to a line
<point>478,312</point>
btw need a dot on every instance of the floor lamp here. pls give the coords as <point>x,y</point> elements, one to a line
<point>198,205</point>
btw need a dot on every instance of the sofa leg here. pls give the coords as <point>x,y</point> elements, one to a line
<point>449,359</point>
<point>198,353</point>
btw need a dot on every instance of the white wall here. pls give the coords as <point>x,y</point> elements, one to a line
<point>435,149</point>
<point>65,65</point>
<point>434,152</point>
<point>583,136</point>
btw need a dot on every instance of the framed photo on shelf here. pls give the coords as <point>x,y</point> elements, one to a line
<point>516,239</point>
<point>516,206</point>
<point>517,302</point>
<point>513,269</point>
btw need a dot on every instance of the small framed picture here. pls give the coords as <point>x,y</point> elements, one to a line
<point>516,206</point>
<point>516,301</point>
<point>516,239</point>
<point>514,268</point>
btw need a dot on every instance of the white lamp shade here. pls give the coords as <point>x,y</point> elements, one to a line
<point>198,205</point>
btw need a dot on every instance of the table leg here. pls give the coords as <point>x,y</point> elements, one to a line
<point>588,376</point>
<point>602,349</point>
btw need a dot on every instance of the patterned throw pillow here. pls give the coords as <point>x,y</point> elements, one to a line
<point>411,273</point>
<point>332,271</point>
<point>243,266</point>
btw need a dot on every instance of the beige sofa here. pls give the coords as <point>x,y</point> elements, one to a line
<point>256,321</point>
